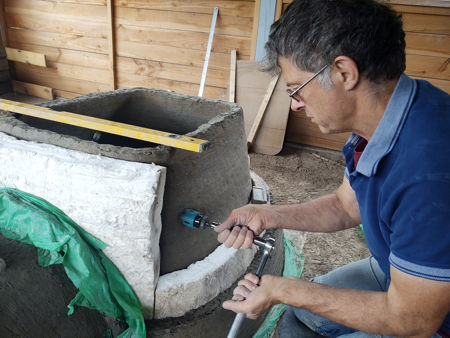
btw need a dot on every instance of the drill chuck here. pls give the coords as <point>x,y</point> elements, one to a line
<point>193,219</point>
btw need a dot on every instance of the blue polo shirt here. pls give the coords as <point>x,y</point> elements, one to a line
<point>402,182</point>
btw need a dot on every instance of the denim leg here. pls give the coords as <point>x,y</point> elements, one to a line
<point>363,275</point>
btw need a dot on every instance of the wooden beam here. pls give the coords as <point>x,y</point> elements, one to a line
<point>23,56</point>
<point>117,128</point>
<point>4,36</point>
<point>278,9</point>
<point>255,28</point>
<point>232,84</point>
<point>111,43</point>
<point>33,89</point>
<point>262,109</point>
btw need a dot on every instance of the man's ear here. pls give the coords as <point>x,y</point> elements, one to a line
<point>346,72</point>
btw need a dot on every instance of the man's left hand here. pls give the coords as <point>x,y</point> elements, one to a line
<point>253,295</point>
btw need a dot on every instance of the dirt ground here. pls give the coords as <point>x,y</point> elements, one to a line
<point>300,174</point>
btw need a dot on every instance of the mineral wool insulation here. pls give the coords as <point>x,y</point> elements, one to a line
<point>117,201</point>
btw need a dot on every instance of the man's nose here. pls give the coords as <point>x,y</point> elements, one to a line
<point>297,105</point>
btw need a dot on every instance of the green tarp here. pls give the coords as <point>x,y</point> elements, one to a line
<point>32,220</point>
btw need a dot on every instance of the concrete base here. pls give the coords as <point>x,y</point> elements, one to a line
<point>213,182</point>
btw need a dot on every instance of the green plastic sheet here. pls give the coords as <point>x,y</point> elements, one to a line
<point>293,266</point>
<point>32,220</point>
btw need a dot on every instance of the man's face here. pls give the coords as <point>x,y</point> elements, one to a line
<point>326,107</point>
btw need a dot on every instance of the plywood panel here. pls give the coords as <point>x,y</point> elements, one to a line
<point>251,87</point>
<point>302,130</point>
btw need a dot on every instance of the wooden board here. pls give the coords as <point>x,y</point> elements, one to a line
<point>301,130</point>
<point>32,89</point>
<point>25,57</point>
<point>251,86</point>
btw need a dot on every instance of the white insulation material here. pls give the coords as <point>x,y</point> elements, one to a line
<point>117,201</point>
<point>183,290</point>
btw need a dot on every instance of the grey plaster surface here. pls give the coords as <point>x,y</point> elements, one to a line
<point>213,182</point>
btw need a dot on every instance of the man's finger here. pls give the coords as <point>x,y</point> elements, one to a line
<point>248,240</point>
<point>240,239</point>
<point>232,237</point>
<point>237,307</point>
<point>222,237</point>
<point>248,284</point>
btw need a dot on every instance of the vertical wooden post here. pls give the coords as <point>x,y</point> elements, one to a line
<point>255,28</point>
<point>232,83</point>
<point>111,42</point>
<point>4,37</point>
<point>278,9</point>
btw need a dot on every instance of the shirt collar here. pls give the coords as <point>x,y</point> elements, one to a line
<point>389,128</point>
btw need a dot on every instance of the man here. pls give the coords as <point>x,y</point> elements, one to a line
<point>343,62</point>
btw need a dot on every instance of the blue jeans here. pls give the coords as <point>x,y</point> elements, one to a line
<point>363,275</point>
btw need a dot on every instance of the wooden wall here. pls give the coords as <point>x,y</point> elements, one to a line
<point>157,44</point>
<point>427,27</point>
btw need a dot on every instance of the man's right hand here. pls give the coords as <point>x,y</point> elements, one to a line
<point>240,227</point>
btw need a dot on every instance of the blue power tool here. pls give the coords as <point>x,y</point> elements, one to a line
<point>193,219</point>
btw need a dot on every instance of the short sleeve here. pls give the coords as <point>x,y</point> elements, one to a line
<point>420,229</point>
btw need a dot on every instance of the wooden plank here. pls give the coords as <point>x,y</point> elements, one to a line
<point>262,109</point>
<point>32,89</point>
<point>68,56</point>
<point>111,43</point>
<point>74,72</point>
<point>183,39</point>
<point>255,28</point>
<point>171,55</point>
<point>57,10</point>
<point>251,86</point>
<point>42,77</point>
<point>279,9</point>
<point>4,36</point>
<point>56,40</point>
<point>170,71</point>
<point>425,23</point>
<point>232,80</point>
<point>111,127</point>
<point>227,8</point>
<point>428,44</point>
<point>47,23</point>
<point>126,80</point>
<point>23,56</point>
<point>433,3</point>
<point>428,66</point>
<point>65,94</point>
<point>197,22</point>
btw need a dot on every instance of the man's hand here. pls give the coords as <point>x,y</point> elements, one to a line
<point>244,223</point>
<point>251,298</point>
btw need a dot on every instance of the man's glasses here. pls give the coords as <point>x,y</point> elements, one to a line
<point>293,93</point>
